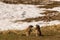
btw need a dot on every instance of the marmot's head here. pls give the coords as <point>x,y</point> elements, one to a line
<point>37,26</point>
<point>30,26</point>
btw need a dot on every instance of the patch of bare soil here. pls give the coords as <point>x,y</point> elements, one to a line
<point>34,2</point>
<point>52,5</point>
<point>21,1</point>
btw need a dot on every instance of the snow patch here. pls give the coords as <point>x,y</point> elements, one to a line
<point>19,11</point>
<point>9,12</point>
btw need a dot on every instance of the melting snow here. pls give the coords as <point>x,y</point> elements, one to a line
<point>20,11</point>
<point>9,12</point>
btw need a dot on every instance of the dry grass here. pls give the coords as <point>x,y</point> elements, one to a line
<point>51,30</point>
<point>49,33</point>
